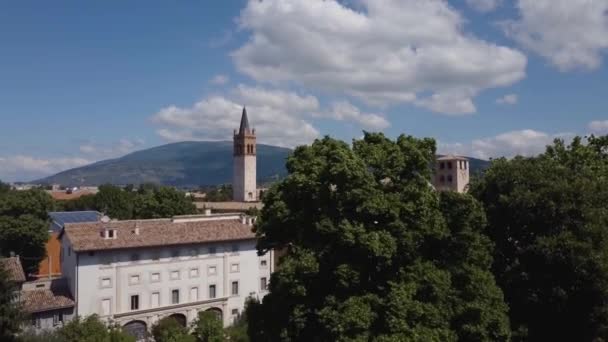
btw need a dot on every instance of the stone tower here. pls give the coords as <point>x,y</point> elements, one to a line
<point>244,181</point>
<point>452,174</point>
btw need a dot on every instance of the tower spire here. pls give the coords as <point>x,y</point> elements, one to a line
<point>244,122</point>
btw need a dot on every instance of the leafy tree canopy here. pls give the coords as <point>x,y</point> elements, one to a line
<point>548,218</point>
<point>373,253</point>
<point>10,313</point>
<point>91,329</point>
<point>169,330</point>
<point>208,327</point>
<point>24,225</point>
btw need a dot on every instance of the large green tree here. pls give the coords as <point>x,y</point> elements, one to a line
<point>24,225</point>
<point>91,329</point>
<point>170,330</point>
<point>548,218</point>
<point>373,253</point>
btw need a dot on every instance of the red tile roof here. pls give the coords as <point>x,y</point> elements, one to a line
<point>45,300</point>
<point>152,233</point>
<point>14,269</point>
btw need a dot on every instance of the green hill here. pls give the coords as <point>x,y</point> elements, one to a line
<point>183,164</point>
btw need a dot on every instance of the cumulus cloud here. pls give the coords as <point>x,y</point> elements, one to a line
<point>345,111</point>
<point>571,34</point>
<point>23,168</point>
<point>219,80</point>
<point>509,99</point>
<point>484,5</point>
<point>112,150</point>
<point>599,127</point>
<point>525,142</point>
<point>280,117</point>
<point>392,51</point>
<point>277,116</point>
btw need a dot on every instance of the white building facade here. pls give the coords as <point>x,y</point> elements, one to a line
<point>137,272</point>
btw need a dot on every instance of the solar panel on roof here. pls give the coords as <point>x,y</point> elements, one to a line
<point>60,218</point>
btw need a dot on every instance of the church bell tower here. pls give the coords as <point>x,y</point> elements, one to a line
<point>244,185</point>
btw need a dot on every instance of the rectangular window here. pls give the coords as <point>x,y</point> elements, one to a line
<point>134,257</point>
<point>105,307</point>
<point>194,252</point>
<point>175,297</point>
<point>57,318</point>
<point>155,300</point>
<point>234,268</point>
<point>155,277</point>
<point>194,294</point>
<point>449,165</point>
<point>174,275</point>
<point>155,256</point>
<point>194,273</point>
<point>106,282</point>
<point>263,263</point>
<point>212,270</point>
<point>175,253</point>
<point>211,291</point>
<point>235,248</point>
<point>442,165</point>
<point>235,288</point>
<point>134,279</point>
<point>449,178</point>
<point>212,250</point>
<point>135,302</point>
<point>263,284</point>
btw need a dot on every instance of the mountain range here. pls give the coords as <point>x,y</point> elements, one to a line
<point>183,164</point>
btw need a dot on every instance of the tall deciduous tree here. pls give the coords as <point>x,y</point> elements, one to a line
<point>24,225</point>
<point>373,252</point>
<point>549,221</point>
<point>169,330</point>
<point>91,329</point>
<point>208,327</point>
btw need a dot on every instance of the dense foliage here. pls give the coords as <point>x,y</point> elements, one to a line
<point>89,329</point>
<point>170,330</point>
<point>24,225</point>
<point>548,218</point>
<point>10,313</point>
<point>147,202</point>
<point>220,193</point>
<point>208,327</point>
<point>373,253</point>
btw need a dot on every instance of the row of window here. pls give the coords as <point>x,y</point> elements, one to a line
<point>461,164</point>
<point>57,320</point>
<point>442,178</point>
<point>175,253</point>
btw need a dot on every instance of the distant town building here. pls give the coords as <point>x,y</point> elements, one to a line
<point>137,272</point>
<point>244,185</point>
<point>451,174</point>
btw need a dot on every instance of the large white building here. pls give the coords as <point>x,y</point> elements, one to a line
<point>137,272</point>
<point>244,184</point>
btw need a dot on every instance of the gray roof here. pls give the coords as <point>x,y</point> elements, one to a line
<point>60,218</point>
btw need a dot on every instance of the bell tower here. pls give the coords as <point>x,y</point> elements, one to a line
<point>244,185</point>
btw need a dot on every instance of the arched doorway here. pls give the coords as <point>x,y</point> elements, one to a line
<point>217,312</point>
<point>137,329</point>
<point>181,319</point>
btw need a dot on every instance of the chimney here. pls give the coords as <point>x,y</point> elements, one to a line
<point>115,233</point>
<point>207,212</point>
<point>244,219</point>
<point>136,228</point>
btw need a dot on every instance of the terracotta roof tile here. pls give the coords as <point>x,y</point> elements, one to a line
<point>163,232</point>
<point>14,269</point>
<point>46,299</point>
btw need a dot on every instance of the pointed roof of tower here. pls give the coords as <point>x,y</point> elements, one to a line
<point>244,122</point>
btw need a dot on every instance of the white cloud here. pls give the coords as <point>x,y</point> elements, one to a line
<point>219,80</point>
<point>280,117</point>
<point>484,5</point>
<point>276,115</point>
<point>525,142</point>
<point>23,168</point>
<point>393,51</point>
<point>509,99</point>
<point>571,34</point>
<point>345,111</point>
<point>599,127</point>
<point>117,149</point>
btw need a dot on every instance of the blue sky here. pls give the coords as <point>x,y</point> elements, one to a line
<point>85,81</point>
